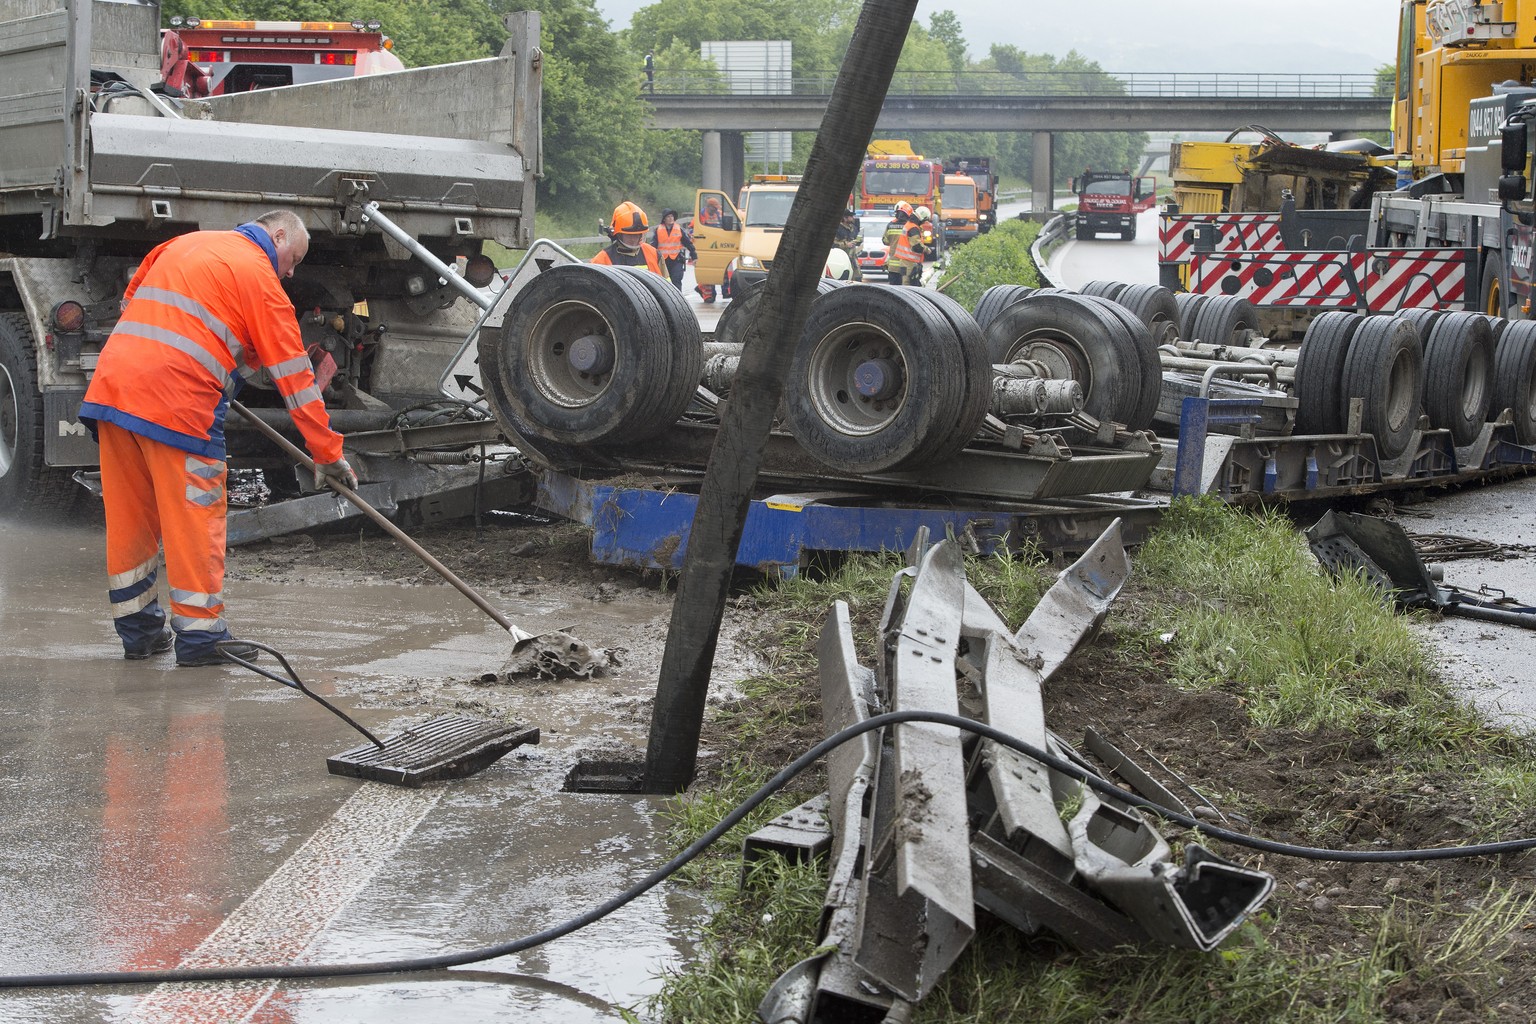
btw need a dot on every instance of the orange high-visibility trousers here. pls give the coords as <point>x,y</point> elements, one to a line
<point>157,494</point>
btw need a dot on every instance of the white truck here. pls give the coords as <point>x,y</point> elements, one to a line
<point>98,164</point>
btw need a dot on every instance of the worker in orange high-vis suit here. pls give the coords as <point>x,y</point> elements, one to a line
<point>204,312</point>
<point>629,248</point>
<point>672,241</point>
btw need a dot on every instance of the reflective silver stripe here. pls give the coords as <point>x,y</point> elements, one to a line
<point>197,599</point>
<point>178,342</point>
<point>133,604</point>
<point>302,397</point>
<point>204,499</point>
<point>204,470</point>
<point>288,367</point>
<point>213,323</point>
<point>187,624</point>
<point>119,580</point>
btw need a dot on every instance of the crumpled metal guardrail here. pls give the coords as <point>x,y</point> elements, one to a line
<point>925,824</point>
<point>1056,229</point>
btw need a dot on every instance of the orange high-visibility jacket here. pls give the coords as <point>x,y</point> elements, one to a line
<point>670,244</point>
<point>615,256</point>
<point>204,313</point>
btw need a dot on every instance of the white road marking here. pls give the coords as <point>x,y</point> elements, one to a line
<point>288,911</point>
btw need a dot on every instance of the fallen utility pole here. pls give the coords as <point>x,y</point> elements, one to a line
<point>857,96</point>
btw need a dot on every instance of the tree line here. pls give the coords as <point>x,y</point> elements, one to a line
<point>596,146</point>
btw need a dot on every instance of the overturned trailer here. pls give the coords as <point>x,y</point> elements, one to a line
<point>99,163</point>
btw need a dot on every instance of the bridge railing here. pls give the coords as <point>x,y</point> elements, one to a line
<point>1044,83</point>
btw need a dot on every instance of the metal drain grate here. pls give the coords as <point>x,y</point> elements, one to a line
<point>447,747</point>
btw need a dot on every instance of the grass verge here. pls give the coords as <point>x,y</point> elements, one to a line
<point>1301,703</point>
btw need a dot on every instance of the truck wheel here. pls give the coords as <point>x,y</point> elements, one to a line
<point>1084,233</point>
<point>1423,320</point>
<point>996,299</point>
<point>1221,317</point>
<point>1458,375</point>
<point>1514,377</point>
<point>27,485</point>
<point>1150,389</point>
<point>1103,289</point>
<point>976,401</point>
<point>1385,367</point>
<point>1074,340</point>
<point>1492,282</point>
<point>686,349</point>
<point>1320,372</point>
<point>873,387</point>
<point>585,355</point>
<point>1189,305</point>
<point>1154,306</point>
<point>1128,235</point>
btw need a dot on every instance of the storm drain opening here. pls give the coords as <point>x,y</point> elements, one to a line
<point>445,747</point>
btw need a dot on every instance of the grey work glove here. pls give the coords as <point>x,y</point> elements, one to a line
<point>338,471</point>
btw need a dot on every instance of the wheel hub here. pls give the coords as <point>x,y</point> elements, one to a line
<point>877,379</point>
<point>591,354</point>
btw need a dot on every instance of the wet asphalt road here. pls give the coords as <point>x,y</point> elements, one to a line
<point>160,817</point>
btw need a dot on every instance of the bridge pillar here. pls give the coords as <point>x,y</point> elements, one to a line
<point>725,161</point>
<point>1042,173</point>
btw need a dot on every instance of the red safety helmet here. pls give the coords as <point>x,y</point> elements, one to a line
<point>904,207</point>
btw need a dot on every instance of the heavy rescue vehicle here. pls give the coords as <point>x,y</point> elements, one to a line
<point>238,56</point>
<point>1110,201</point>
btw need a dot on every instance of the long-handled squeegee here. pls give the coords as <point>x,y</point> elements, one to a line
<point>519,637</point>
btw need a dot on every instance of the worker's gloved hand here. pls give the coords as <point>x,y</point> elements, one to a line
<point>338,471</point>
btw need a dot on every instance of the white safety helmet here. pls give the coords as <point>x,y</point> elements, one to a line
<point>923,213</point>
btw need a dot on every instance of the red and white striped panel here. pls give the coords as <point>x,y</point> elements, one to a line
<point>1276,279</point>
<point>1235,232</point>
<point>1415,278</point>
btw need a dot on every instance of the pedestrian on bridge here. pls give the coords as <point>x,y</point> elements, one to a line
<point>672,241</point>
<point>205,312</point>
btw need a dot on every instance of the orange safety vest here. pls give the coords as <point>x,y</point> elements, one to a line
<point>669,243</point>
<point>205,312</point>
<point>647,254</point>
<point>904,251</point>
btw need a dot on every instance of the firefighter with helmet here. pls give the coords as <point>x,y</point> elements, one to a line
<point>905,247</point>
<point>629,248</point>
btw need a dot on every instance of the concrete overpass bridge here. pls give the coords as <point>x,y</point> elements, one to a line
<point>1041,103</point>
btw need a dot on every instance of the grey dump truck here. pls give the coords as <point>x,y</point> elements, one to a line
<point>98,165</point>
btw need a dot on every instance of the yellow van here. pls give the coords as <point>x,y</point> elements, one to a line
<point>746,231</point>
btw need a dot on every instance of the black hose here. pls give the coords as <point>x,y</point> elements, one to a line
<point>773,785</point>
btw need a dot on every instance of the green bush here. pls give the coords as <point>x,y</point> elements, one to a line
<point>1001,256</point>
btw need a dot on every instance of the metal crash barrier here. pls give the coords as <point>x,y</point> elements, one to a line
<point>923,824</point>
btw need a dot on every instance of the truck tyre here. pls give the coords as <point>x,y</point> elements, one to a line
<point>1154,306</point>
<point>1320,372</point>
<point>1104,289</point>
<point>585,357</point>
<point>1189,305</point>
<point>1423,320</point>
<point>872,387</point>
<point>687,347</point>
<point>1075,340</point>
<point>976,400</point>
<point>1150,390</point>
<point>996,299</point>
<point>1458,375</point>
<point>1084,233</point>
<point>1222,316</point>
<point>27,485</point>
<point>1385,368</point>
<point>1514,377</point>
<point>1128,234</point>
<point>1491,284</point>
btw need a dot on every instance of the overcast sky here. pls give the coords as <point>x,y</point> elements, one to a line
<point>1301,36</point>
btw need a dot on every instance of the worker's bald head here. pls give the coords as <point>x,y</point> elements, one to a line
<point>289,237</point>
